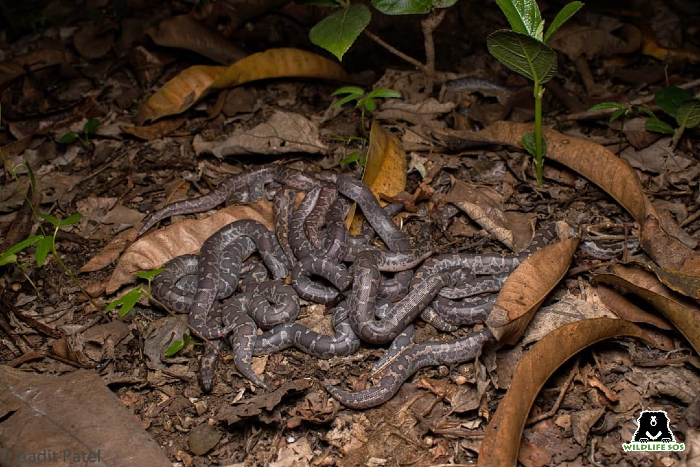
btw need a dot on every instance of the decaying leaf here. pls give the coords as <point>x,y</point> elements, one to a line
<point>185,32</point>
<point>188,87</point>
<point>66,415</point>
<point>667,251</point>
<point>627,310</point>
<point>186,237</point>
<point>500,445</point>
<point>526,289</point>
<point>285,132</point>
<point>681,312</point>
<point>157,130</point>
<point>385,173</point>
<point>265,402</point>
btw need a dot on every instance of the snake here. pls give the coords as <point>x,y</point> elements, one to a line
<point>408,361</point>
<point>209,273</point>
<point>233,186</point>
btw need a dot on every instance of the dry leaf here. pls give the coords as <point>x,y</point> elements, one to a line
<point>186,237</point>
<point>385,173</point>
<point>526,289</point>
<point>71,415</point>
<point>666,250</point>
<point>681,312</point>
<point>285,132</point>
<point>618,304</point>
<point>157,130</point>
<point>188,87</point>
<point>500,447</point>
<point>185,32</point>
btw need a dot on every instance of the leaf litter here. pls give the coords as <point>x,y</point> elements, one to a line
<point>440,416</point>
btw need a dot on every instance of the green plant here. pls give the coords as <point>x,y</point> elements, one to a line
<point>177,346</point>
<point>355,156</point>
<point>84,136</point>
<point>674,101</point>
<point>127,301</point>
<point>364,101</point>
<point>524,49</point>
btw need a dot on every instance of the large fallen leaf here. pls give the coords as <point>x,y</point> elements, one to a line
<point>285,132</point>
<point>385,173</point>
<point>188,87</point>
<point>186,237</point>
<point>73,417</point>
<point>681,312</point>
<point>627,310</point>
<point>44,56</point>
<point>185,32</point>
<point>667,251</point>
<point>500,445</point>
<point>526,289</point>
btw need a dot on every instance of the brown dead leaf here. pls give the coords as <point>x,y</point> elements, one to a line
<point>575,41</point>
<point>188,87</point>
<point>259,404</point>
<point>526,289</point>
<point>185,32</point>
<point>66,416</point>
<point>385,173</point>
<point>111,252</point>
<point>667,251</point>
<point>157,130</point>
<point>499,447</point>
<point>285,132</point>
<point>186,237</point>
<point>45,55</point>
<point>95,39</point>
<point>681,312</point>
<point>618,304</point>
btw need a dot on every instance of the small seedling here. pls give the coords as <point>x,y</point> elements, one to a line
<point>365,101</point>
<point>354,156</point>
<point>524,49</point>
<point>177,346</point>
<point>127,301</point>
<point>84,136</point>
<point>622,112</point>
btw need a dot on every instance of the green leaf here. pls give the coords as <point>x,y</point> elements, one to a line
<point>49,218</point>
<point>43,247</point>
<point>669,98</point>
<point>91,125</point>
<point>522,15</point>
<point>19,246</point>
<point>30,172</point>
<point>530,146</point>
<point>606,105</point>
<point>150,274</point>
<point>688,114</point>
<point>384,93</point>
<point>352,157</point>
<point>349,90</point>
<point>410,7</point>
<point>8,258</point>
<point>337,32</point>
<point>127,302</point>
<point>644,109</point>
<point>562,17</point>
<point>347,99</point>
<point>658,126</point>
<point>72,219</point>
<point>174,348</point>
<point>368,103</point>
<point>523,54</point>
<point>68,137</point>
<point>618,113</point>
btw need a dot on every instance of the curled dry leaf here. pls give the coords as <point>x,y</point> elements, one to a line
<point>667,251</point>
<point>526,289</point>
<point>188,87</point>
<point>111,252</point>
<point>186,237</point>
<point>185,32</point>
<point>500,445</point>
<point>618,304</point>
<point>681,312</point>
<point>385,173</point>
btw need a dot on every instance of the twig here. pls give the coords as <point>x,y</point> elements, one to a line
<point>428,25</point>
<point>397,52</point>
<point>607,112</point>
<point>559,400</point>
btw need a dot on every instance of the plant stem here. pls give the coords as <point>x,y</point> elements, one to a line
<point>397,52</point>
<point>428,25</point>
<point>539,156</point>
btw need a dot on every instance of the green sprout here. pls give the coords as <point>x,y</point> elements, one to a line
<point>84,136</point>
<point>524,49</point>
<point>127,301</point>
<point>364,101</point>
